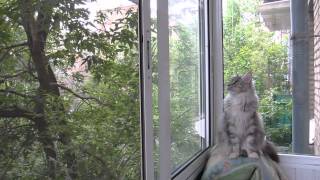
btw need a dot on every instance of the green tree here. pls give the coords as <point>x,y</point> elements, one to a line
<point>248,46</point>
<point>49,129</point>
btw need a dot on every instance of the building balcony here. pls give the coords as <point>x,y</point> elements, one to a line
<point>276,14</point>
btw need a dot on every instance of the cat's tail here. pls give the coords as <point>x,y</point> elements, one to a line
<point>270,150</point>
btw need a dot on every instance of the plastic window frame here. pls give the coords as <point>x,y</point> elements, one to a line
<point>214,86</point>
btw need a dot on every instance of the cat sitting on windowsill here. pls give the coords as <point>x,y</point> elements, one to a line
<point>242,151</point>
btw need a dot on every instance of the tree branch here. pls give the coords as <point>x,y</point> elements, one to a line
<point>25,43</point>
<point>107,171</point>
<point>27,66</point>
<point>10,91</point>
<point>16,112</point>
<point>81,96</point>
<point>4,77</point>
<point>6,53</point>
<point>124,161</point>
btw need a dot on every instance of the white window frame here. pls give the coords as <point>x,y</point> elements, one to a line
<point>214,72</point>
<point>147,162</point>
<point>164,89</point>
<point>194,168</point>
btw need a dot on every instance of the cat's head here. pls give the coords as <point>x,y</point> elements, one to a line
<point>239,84</point>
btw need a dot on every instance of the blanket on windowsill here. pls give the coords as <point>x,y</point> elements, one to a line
<point>243,168</point>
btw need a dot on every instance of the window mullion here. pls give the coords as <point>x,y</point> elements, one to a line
<point>146,92</point>
<point>164,88</point>
<point>215,65</point>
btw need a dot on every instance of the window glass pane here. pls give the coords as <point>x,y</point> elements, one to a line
<point>69,90</point>
<point>187,87</point>
<point>188,81</point>
<point>259,42</point>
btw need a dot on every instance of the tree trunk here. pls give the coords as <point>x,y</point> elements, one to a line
<point>36,29</point>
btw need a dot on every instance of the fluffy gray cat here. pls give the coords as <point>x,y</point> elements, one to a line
<point>242,132</point>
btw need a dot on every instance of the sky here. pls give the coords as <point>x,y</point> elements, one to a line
<point>107,4</point>
<point>98,5</point>
<point>111,4</point>
<point>177,9</point>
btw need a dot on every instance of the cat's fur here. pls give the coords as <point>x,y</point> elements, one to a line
<point>242,130</point>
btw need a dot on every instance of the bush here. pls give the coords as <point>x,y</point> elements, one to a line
<point>276,111</point>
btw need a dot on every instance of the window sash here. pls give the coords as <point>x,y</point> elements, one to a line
<point>211,98</point>
<point>214,72</point>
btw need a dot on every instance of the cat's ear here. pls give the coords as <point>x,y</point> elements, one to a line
<point>247,77</point>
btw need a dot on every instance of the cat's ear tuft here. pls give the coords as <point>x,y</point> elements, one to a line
<point>247,77</point>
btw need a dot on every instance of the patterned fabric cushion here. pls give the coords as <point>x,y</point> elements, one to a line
<point>243,168</point>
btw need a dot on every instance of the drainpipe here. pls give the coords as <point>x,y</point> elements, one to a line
<point>300,72</point>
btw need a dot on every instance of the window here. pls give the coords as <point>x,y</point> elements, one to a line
<point>188,83</point>
<point>262,36</point>
<point>176,76</point>
<point>250,46</point>
<point>97,89</point>
<point>279,41</point>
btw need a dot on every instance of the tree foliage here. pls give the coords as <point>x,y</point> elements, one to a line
<point>58,121</point>
<point>185,93</point>
<point>184,59</point>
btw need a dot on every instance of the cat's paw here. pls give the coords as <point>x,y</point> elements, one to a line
<point>234,155</point>
<point>253,155</point>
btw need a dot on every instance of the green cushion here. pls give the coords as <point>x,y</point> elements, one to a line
<point>233,169</point>
<point>242,168</point>
<point>244,173</point>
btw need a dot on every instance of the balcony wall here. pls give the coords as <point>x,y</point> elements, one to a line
<point>276,14</point>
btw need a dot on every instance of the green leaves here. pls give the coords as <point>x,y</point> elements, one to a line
<point>94,119</point>
<point>249,46</point>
